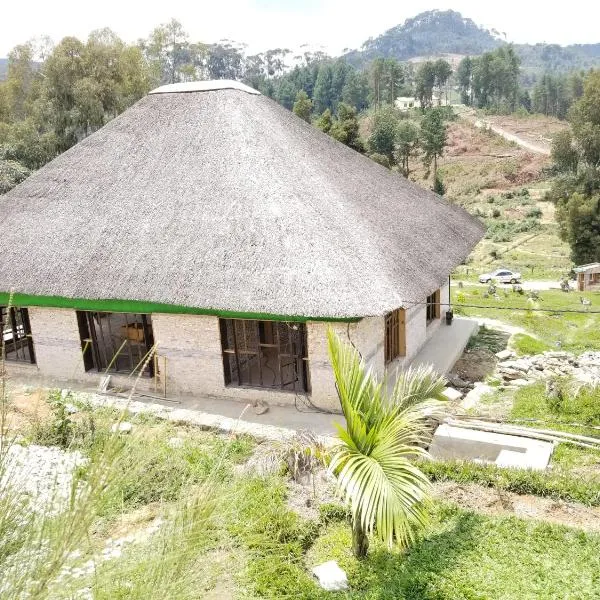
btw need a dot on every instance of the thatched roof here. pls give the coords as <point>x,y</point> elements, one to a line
<point>224,200</point>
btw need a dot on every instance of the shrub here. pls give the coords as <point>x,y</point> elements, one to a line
<point>496,213</point>
<point>534,213</point>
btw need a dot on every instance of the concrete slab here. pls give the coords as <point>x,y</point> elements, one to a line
<point>473,398</point>
<point>503,450</point>
<point>446,345</point>
<point>452,395</point>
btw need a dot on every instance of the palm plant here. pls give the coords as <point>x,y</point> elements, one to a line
<point>385,431</point>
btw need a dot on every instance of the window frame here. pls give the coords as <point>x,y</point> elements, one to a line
<point>243,341</point>
<point>18,319</point>
<point>394,335</point>
<point>432,310</point>
<point>93,336</point>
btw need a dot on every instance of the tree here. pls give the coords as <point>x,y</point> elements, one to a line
<point>383,134</point>
<point>325,121</point>
<point>303,106</point>
<point>585,120</point>
<point>464,76</point>
<point>579,221</point>
<point>442,71</point>
<point>345,128</point>
<point>424,83</point>
<point>322,96</point>
<point>564,153</point>
<point>433,137</point>
<point>388,495</point>
<point>406,144</point>
<point>356,90</point>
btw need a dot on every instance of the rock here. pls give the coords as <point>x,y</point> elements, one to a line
<point>175,442</point>
<point>505,354</point>
<point>260,407</point>
<point>520,382</point>
<point>123,427</point>
<point>71,409</point>
<point>456,381</point>
<point>331,577</point>
<point>510,373</point>
<point>475,395</point>
<point>452,395</point>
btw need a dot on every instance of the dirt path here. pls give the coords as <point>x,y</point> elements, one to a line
<point>490,501</point>
<point>538,146</point>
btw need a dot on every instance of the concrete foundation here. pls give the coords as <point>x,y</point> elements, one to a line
<point>450,443</point>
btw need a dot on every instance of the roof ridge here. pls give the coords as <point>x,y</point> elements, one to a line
<point>204,86</point>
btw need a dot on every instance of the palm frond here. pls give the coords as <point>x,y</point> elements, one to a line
<point>374,464</point>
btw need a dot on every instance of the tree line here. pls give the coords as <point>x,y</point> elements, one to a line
<point>576,190</point>
<point>54,96</point>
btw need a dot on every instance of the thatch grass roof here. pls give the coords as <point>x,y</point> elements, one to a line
<point>224,200</point>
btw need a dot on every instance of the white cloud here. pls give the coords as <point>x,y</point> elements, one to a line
<point>262,24</point>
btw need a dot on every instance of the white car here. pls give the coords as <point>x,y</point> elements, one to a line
<point>501,276</point>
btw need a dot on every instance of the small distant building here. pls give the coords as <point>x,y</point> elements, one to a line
<point>588,277</point>
<point>407,102</point>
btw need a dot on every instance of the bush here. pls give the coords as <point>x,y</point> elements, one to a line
<point>496,213</point>
<point>534,213</point>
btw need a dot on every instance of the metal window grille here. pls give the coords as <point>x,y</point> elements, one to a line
<point>115,342</point>
<point>265,354</point>
<point>394,345</point>
<point>16,334</point>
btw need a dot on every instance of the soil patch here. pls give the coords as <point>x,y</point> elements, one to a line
<point>490,501</point>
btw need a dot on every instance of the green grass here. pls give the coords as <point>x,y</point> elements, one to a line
<point>558,483</point>
<point>576,332</point>
<point>525,344</point>
<point>577,406</point>
<point>465,555</point>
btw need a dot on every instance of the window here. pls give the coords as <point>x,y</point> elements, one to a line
<point>395,335</point>
<point>16,333</point>
<point>115,342</point>
<point>265,354</point>
<point>433,306</point>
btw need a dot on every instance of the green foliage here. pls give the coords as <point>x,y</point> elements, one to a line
<point>11,174</point>
<point>388,496</point>
<point>438,185</point>
<point>585,120</point>
<point>383,133</point>
<point>433,137</point>
<point>380,159</point>
<point>526,344</point>
<point>578,404</point>
<point>303,106</point>
<point>553,94</point>
<point>407,139</point>
<point>491,81</point>
<point>345,128</point>
<point>504,230</point>
<point>579,219</point>
<point>564,153</point>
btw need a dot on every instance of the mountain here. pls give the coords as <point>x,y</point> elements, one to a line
<point>3,67</point>
<point>433,32</point>
<point>438,33</point>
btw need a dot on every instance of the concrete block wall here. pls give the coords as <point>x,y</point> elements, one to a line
<point>191,346</point>
<point>56,343</point>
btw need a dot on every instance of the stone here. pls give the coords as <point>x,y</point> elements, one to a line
<point>452,395</point>
<point>505,354</point>
<point>175,442</point>
<point>474,396</point>
<point>520,382</point>
<point>331,577</point>
<point>71,409</point>
<point>123,427</point>
<point>260,407</point>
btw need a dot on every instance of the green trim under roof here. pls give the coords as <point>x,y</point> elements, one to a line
<point>140,306</point>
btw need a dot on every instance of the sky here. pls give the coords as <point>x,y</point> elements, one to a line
<point>330,25</point>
